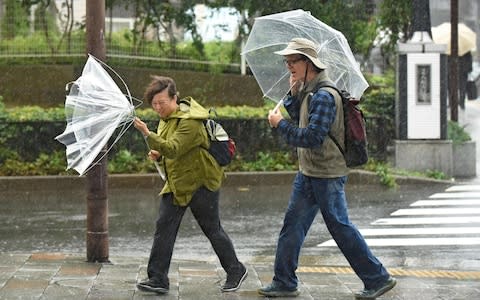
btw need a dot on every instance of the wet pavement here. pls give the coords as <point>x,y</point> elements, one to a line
<point>43,246</point>
<point>56,221</point>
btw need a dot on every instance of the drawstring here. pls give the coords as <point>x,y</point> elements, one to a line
<point>305,77</point>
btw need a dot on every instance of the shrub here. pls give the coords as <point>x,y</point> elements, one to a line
<point>457,133</point>
<point>379,98</point>
<point>3,113</point>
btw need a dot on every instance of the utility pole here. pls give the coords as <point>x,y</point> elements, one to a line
<point>453,61</point>
<point>97,202</point>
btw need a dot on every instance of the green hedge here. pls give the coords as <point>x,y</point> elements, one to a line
<point>27,146</point>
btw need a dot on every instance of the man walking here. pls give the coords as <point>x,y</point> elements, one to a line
<point>319,184</point>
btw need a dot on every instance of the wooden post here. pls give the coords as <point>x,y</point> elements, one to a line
<point>453,61</point>
<point>97,179</point>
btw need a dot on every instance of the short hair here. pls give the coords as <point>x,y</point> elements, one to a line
<point>159,84</point>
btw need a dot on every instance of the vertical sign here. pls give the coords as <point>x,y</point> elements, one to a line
<point>423,96</point>
<point>424,88</point>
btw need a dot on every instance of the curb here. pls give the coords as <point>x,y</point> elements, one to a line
<point>140,181</point>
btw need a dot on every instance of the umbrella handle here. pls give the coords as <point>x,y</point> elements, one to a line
<point>160,171</point>
<point>277,107</point>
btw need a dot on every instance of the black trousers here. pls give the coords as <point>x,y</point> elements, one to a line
<point>204,207</point>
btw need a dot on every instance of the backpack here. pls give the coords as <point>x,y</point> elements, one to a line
<point>355,152</point>
<point>222,147</point>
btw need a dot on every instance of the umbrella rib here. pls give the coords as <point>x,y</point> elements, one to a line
<point>120,134</point>
<point>275,84</point>
<point>119,77</point>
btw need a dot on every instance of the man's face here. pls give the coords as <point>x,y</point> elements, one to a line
<point>297,65</point>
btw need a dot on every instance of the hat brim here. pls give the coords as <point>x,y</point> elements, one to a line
<point>314,60</point>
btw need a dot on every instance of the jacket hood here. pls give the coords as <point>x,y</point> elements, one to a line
<point>188,108</point>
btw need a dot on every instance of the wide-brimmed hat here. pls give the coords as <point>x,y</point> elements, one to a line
<point>305,47</point>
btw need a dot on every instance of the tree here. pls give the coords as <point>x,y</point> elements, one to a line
<point>46,16</point>
<point>15,20</point>
<point>164,17</point>
<point>353,18</point>
<point>109,6</point>
<point>394,20</point>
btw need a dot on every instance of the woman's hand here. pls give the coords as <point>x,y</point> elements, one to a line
<point>141,126</point>
<point>153,155</point>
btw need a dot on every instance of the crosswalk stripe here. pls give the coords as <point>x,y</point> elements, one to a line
<point>453,195</point>
<point>414,242</point>
<point>458,206</point>
<point>464,188</point>
<point>456,202</point>
<point>432,220</point>
<point>436,211</point>
<point>419,231</point>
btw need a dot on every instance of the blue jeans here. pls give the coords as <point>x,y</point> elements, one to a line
<point>327,194</point>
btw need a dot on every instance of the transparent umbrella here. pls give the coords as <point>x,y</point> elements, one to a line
<point>273,32</point>
<point>94,108</point>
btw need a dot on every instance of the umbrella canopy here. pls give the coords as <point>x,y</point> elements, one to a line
<point>273,32</point>
<point>467,38</point>
<point>95,107</point>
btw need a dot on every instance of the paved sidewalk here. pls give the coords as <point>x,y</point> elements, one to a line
<point>62,276</point>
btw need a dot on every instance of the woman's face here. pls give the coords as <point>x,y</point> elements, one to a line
<point>163,104</point>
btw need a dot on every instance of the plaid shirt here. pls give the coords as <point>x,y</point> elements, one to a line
<point>321,114</point>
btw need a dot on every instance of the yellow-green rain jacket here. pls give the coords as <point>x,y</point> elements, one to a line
<point>182,141</point>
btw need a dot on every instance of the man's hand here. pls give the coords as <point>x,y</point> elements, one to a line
<point>274,117</point>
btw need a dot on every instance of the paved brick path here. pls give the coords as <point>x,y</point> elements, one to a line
<point>63,276</point>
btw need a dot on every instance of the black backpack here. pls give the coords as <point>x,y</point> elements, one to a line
<point>222,147</point>
<point>355,152</point>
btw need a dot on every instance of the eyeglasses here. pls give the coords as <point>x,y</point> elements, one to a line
<point>290,62</point>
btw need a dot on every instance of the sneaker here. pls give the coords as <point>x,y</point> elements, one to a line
<point>152,286</point>
<point>374,293</point>
<point>273,290</point>
<point>234,280</point>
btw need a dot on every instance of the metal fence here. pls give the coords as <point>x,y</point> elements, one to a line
<point>30,37</point>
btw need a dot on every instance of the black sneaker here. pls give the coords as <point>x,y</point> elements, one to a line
<point>152,286</point>
<point>274,290</point>
<point>234,280</point>
<point>374,293</point>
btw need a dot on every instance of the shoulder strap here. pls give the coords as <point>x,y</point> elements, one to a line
<point>326,84</point>
<point>329,86</point>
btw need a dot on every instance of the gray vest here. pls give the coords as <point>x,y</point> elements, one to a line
<point>325,161</point>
